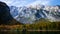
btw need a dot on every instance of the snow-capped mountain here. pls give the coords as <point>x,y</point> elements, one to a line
<point>29,14</point>
<point>14,11</point>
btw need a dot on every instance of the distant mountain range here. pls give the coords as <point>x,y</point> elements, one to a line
<point>29,14</point>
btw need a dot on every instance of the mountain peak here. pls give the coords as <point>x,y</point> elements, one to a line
<point>29,14</point>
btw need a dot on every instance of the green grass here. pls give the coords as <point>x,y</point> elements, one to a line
<point>38,25</point>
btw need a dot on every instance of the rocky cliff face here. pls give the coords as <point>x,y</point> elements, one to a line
<point>5,16</point>
<point>29,14</point>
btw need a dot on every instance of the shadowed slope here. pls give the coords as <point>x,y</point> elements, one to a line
<point>5,16</point>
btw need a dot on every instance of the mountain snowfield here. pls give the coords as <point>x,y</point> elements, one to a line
<point>29,14</point>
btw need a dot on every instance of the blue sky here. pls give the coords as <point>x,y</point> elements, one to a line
<point>31,2</point>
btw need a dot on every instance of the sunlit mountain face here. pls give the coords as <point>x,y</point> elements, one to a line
<point>29,11</point>
<point>30,14</point>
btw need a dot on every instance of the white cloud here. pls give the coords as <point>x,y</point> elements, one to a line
<point>8,2</point>
<point>14,2</point>
<point>26,2</point>
<point>41,2</point>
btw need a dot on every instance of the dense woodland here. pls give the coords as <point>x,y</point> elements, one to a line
<point>39,25</point>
